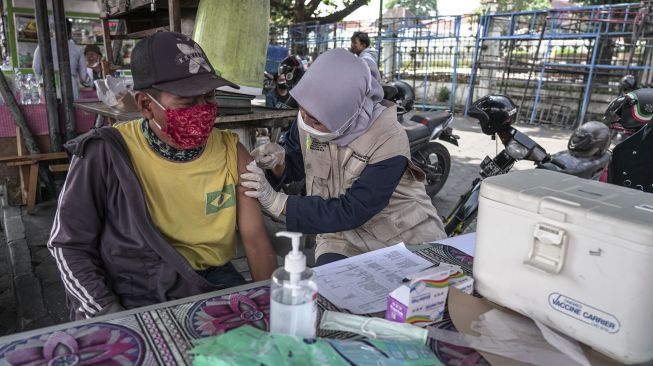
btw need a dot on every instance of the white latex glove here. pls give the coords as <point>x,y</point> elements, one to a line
<point>269,155</point>
<point>271,200</point>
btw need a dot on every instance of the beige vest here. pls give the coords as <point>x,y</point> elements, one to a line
<point>330,170</point>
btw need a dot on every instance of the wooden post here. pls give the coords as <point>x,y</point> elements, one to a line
<point>174,13</point>
<point>106,37</point>
<point>17,115</point>
<point>65,73</point>
<point>43,33</point>
<point>22,170</point>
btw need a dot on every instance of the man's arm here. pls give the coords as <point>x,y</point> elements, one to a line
<point>261,258</point>
<point>36,61</point>
<point>82,74</point>
<point>368,196</point>
<point>74,239</point>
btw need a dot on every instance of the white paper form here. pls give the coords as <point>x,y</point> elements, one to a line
<point>361,283</point>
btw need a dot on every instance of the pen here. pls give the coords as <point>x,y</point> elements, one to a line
<point>408,279</point>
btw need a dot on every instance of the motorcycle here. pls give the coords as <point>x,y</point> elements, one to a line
<point>268,82</point>
<point>423,129</point>
<point>519,146</point>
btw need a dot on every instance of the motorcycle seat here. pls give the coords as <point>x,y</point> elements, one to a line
<point>587,168</point>
<point>433,119</point>
<point>416,131</point>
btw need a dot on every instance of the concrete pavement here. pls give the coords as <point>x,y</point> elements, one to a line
<point>32,295</point>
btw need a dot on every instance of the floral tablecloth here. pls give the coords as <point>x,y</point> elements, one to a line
<point>163,334</point>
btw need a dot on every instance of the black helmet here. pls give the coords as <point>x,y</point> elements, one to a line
<point>590,139</point>
<point>628,83</point>
<point>632,110</point>
<point>405,95</point>
<point>293,68</point>
<point>494,112</point>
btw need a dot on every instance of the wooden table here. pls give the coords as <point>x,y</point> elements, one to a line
<point>163,333</point>
<point>259,118</point>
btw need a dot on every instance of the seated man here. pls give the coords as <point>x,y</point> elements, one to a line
<point>93,56</point>
<point>149,209</point>
<point>279,97</point>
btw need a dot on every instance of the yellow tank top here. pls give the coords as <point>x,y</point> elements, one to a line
<point>193,204</point>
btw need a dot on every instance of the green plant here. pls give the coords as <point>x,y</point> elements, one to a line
<point>443,94</point>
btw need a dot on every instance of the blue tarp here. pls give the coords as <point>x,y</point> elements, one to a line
<point>275,55</point>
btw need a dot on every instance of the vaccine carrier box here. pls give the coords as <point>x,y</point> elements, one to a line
<point>574,254</point>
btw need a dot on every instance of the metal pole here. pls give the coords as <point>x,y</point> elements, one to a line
<point>65,74</point>
<point>379,35</point>
<point>530,72</point>
<point>17,115</point>
<point>426,71</point>
<point>540,81</point>
<point>413,55</point>
<point>454,79</point>
<point>472,75</point>
<point>43,33</point>
<point>588,87</point>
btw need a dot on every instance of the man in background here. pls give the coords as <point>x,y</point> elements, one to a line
<point>77,61</point>
<point>93,56</point>
<point>360,46</point>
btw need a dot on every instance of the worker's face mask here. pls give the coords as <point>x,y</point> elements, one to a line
<point>318,135</point>
<point>325,136</point>
<point>189,127</point>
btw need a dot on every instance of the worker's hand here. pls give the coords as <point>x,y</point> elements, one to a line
<point>269,155</point>
<point>274,202</point>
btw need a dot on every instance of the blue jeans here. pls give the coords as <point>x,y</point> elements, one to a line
<point>327,258</point>
<point>223,276</point>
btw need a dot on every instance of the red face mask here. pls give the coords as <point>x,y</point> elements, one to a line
<point>189,127</point>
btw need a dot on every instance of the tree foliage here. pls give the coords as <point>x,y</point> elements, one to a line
<point>299,11</point>
<point>519,5</point>
<point>417,7</point>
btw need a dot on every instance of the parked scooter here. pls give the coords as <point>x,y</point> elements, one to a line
<point>422,130</point>
<point>588,154</point>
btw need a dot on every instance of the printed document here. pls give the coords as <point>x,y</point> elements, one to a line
<point>361,283</point>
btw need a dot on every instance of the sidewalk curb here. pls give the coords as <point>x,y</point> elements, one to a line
<point>27,288</point>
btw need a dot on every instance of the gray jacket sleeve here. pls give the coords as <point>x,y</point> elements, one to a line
<point>74,240</point>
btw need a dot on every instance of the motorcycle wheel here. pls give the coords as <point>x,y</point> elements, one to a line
<point>436,174</point>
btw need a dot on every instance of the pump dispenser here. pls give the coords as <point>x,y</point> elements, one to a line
<point>293,294</point>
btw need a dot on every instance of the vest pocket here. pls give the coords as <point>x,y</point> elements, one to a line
<point>352,171</point>
<point>393,223</point>
<point>317,175</point>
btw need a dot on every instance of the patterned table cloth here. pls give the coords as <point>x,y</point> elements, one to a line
<point>163,334</point>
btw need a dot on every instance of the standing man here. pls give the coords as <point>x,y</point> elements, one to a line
<point>360,46</point>
<point>149,210</point>
<point>77,61</point>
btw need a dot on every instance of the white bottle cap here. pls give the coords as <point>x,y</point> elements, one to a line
<point>295,262</point>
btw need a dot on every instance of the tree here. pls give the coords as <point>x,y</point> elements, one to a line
<point>519,5</point>
<point>417,7</point>
<point>299,11</point>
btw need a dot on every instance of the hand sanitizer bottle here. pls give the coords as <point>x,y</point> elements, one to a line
<point>294,294</point>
